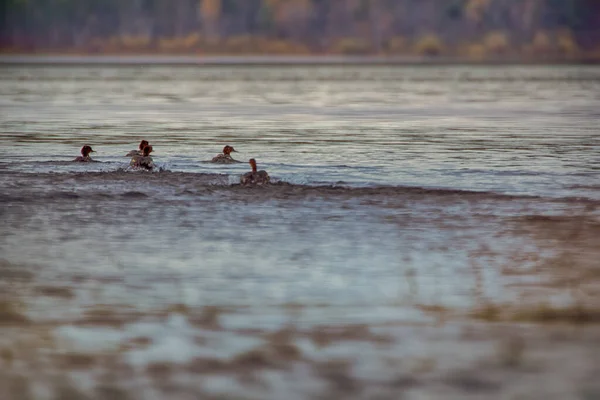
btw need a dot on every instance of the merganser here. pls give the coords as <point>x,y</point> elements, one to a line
<point>143,161</point>
<point>225,158</point>
<point>255,177</point>
<point>85,154</point>
<point>139,152</point>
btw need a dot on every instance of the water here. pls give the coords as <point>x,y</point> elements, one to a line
<point>377,134</point>
<point>509,129</point>
<point>397,192</point>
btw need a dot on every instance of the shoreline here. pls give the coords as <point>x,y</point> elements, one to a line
<point>266,60</point>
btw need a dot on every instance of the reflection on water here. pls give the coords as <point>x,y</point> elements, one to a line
<point>513,129</point>
<point>524,131</point>
<point>402,195</point>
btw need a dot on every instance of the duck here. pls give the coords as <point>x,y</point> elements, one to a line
<point>225,157</point>
<point>143,161</point>
<point>255,177</point>
<point>139,152</point>
<point>85,154</point>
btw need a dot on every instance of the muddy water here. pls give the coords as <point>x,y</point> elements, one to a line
<point>397,191</point>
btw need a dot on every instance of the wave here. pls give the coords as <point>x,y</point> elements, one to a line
<point>128,184</point>
<point>134,195</point>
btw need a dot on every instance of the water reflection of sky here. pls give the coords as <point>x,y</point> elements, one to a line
<point>185,236</point>
<point>527,130</point>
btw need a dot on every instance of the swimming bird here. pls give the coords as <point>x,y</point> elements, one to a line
<point>255,177</point>
<point>85,154</point>
<point>139,152</point>
<point>225,157</point>
<point>143,161</point>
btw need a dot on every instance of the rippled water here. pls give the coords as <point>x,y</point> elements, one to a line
<point>528,130</point>
<point>389,180</point>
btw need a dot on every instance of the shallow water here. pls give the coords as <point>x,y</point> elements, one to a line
<point>375,133</point>
<point>399,194</point>
<point>526,130</point>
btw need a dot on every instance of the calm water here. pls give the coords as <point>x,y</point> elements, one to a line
<point>389,180</point>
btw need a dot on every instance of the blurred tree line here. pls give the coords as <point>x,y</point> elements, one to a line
<point>479,29</point>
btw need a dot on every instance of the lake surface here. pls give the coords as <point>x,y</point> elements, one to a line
<point>518,130</point>
<point>380,171</point>
<point>397,191</point>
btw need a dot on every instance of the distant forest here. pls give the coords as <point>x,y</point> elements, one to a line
<point>473,29</point>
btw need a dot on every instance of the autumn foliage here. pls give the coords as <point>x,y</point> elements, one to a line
<point>471,29</point>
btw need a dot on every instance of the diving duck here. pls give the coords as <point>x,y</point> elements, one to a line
<point>85,154</point>
<point>255,177</point>
<point>143,161</point>
<point>139,152</point>
<point>225,157</point>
